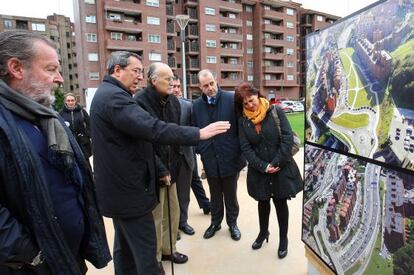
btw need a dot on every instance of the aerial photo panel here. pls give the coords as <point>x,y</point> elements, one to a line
<point>360,84</point>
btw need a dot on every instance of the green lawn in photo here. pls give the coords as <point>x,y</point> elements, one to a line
<point>351,121</point>
<point>297,122</point>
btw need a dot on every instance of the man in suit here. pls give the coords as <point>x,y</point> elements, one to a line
<point>221,156</point>
<point>124,162</point>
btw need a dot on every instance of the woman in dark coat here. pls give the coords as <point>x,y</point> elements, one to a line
<point>77,119</point>
<point>272,172</point>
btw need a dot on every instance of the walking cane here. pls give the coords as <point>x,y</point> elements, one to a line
<point>169,229</point>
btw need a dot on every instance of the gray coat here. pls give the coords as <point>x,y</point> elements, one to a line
<point>269,147</point>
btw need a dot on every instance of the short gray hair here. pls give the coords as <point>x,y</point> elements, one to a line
<point>205,72</point>
<point>120,58</point>
<point>19,44</point>
<point>153,71</point>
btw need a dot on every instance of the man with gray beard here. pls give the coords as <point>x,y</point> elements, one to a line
<point>49,219</point>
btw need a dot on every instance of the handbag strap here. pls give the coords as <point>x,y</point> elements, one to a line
<point>276,120</point>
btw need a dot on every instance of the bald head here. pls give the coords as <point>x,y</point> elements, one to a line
<point>160,77</point>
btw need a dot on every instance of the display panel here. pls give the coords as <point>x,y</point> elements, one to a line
<point>360,84</point>
<point>358,217</point>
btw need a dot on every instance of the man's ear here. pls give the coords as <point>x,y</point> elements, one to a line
<point>15,67</point>
<point>117,70</point>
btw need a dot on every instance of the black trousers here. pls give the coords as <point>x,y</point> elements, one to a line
<point>282,212</point>
<point>198,189</point>
<point>224,188</point>
<point>183,190</point>
<point>135,246</point>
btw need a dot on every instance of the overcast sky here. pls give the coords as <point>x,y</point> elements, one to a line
<point>42,8</point>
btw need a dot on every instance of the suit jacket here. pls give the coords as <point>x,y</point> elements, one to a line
<point>186,120</point>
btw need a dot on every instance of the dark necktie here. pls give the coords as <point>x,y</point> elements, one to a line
<point>212,100</point>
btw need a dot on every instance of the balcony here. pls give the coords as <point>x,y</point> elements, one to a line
<point>226,82</point>
<point>126,7</point>
<point>273,56</point>
<point>234,7</point>
<point>273,14</point>
<point>273,42</point>
<point>171,45</point>
<point>131,27</point>
<point>230,22</point>
<point>192,31</point>
<point>124,45</point>
<point>231,52</point>
<point>190,2</point>
<point>169,10</point>
<point>273,28</point>
<point>231,67</point>
<point>273,82</point>
<point>231,37</point>
<point>170,28</point>
<point>193,64</point>
<point>192,47</point>
<point>171,62</point>
<point>192,80</point>
<point>273,69</point>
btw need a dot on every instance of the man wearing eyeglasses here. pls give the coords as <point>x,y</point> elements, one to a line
<point>158,100</point>
<point>124,162</point>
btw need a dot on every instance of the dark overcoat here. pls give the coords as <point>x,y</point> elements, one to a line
<point>269,147</point>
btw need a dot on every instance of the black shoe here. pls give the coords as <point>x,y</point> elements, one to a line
<point>177,258</point>
<point>160,269</point>
<point>211,230</point>
<point>283,248</point>
<point>178,236</point>
<point>187,229</point>
<point>235,232</point>
<point>206,211</point>
<point>260,239</point>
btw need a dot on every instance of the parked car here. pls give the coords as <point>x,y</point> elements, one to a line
<point>287,108</point>
<point>298,107</point>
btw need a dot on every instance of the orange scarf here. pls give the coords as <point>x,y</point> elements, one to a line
<point>257,116</point>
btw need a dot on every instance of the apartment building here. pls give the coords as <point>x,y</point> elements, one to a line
<point>59,29</point>
<point>239,40</point>
<point>310,21</point>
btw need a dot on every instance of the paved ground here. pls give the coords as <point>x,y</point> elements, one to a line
<point>221,255</point>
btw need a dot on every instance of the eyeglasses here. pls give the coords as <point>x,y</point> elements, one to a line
<point>138,71</point>
<point>169,79</point>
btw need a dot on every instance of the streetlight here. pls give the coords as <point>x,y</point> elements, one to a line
<point>182,20</point>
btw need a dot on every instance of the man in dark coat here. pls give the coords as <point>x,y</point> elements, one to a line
<point>77,119</point>
<point>158,100</point>
<point>221,156</point>
<point>124,161</point>
<point>49,220</point>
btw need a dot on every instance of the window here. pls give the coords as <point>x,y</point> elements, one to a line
<point>94,76</point>
<point>290,77</point>
<point>289,25</point>
<point>249,36</point>
<point>211,59</point>
<point>153,3</point>
<point>249,23</point>
<point>266,7</point>
<point>38,27</point>
<point>155,57</point>
<point>154,38</point>
<point>249,50</point>
<point>319,18</point>
<point>289,51</point>
<point>290,11</point>
<point>90,19</point>
<point>291,64</point>
<point>290,38</point>
<point>210,28</point>
<point>248,8</point>
<point>267,49</point>
<point>8,24</point>
<point>210,11</point>
<point>131,37</point>
<point>153,20</point>
<point>232,15</point>
<point>93,57</point>
<point>266,21</point>
<point>91,37</point>
<point>268,76</point>
<point>211,43</point>
<point>249,78</point>
<point>250,64</point>
<point>89,1</point>
<point>114,17</point>
<point>116,35</point>
<point>233,61</point>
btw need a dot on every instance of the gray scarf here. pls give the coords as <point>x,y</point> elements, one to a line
<point>44,117</point>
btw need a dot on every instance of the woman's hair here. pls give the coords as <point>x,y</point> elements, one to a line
<point>69,94</point>
<point>242,91</point>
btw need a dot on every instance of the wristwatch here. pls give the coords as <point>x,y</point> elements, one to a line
<point>38,259</point>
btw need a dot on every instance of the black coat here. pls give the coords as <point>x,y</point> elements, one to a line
<point>124,163</point>
<point>169,111</point>
<point>269,147</point>
<point>77,120</point>
<point>221,155</point>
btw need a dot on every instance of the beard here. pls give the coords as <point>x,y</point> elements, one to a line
<point>38,91</point>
